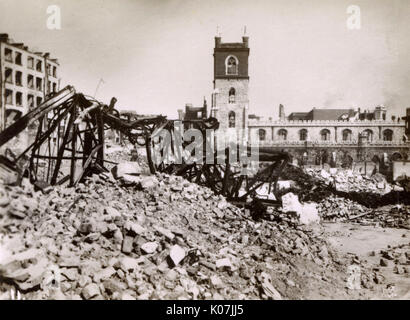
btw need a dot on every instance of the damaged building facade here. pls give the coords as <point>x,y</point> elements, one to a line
<point>26,78</point>
<point>317,136</point>
<point>341,134</point>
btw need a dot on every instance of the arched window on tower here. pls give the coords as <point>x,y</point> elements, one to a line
<point>303,135</point>
<point>231,117</point>
<point>262,134</point>
<point>231,65</point>
<point>325,135</point>
<point>282,134</point>
<point>347,135</point>
<point>232,95</point>
<point>387,135</point>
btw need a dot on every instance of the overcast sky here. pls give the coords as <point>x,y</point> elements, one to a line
<point>155,56</point>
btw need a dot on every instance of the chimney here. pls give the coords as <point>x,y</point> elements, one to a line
<point>245,41</point>
<point>281,112</point>
<point>205,112</point>
<point>180,114</point>
<point>217,42</point>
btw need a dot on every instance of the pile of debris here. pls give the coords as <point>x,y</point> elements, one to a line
<point>341,209</point>
<point>309,185</point>
<point>337,208</point>
<point>152,237</point>
<point>347,181</point>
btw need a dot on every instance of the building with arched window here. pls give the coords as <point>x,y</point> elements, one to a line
<point>341,131</point>
<point>230,99</point>
<point>303,134</point>
<point>232,95</point>
<point>231,118</point>
<point>262,134</point>
<point>324,135</point>
<point>282,134</point>
<point>231,65</point>
<point>367,135</point>
<point>347,135</point>
<point>388,135</point>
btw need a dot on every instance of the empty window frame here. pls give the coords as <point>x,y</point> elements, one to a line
<point>232,95</point>
<point>388,135</point>
<point>231,120</point>
<point>8,54</point>
<point>282,134</point>
<point>30,62</point>
<point>325,135</point>
<point>8,75</point>
<point>30,81</point>
<point>17,59</point>
<point>39,84</point>
<point>39,65</point>
<point>19,78</point>
<point>262,134</point>
<point>38,101</point>
<point>9,96</point>
<point>303,135</point>
<point>30,101</point>
<point>347,135</point>
<point>19,98</point>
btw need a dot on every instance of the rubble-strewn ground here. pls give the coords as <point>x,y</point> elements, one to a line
<point>161,237</point>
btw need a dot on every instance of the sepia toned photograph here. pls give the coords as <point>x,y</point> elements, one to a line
<point>229,150</point>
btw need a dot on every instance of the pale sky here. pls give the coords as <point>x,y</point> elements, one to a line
<point>155,56</point>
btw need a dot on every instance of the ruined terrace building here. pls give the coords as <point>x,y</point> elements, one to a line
<point>339,133</point>
<point>26,78</point>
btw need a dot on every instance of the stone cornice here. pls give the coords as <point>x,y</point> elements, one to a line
<point>316,123</point>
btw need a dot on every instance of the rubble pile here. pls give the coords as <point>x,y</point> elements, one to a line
<point>341,209</point>
<point>337,208</point>
<point>347,181</point>
<point>155,237</point>
<point>118,154</point>
<point>362,190</point>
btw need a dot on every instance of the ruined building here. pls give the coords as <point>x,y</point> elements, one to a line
<point>26,78</point>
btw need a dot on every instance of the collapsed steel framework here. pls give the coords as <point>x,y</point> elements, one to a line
<point>69,145</point>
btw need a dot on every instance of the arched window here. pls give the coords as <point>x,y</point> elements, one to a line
<point>325,135</point>
<point>347,135</point>
<point>232,95</point>
<point>231,65</point>
<point>396,156</point>
<point>282,134</point>
<point>262,134</point>
<point>387,135</point>
<point>303,135</point>
<point>231,116</point>
<point>367,135</point>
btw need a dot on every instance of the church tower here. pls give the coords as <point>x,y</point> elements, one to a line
<point>231,81</point>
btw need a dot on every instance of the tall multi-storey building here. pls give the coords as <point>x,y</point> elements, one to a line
<point>26,78</point>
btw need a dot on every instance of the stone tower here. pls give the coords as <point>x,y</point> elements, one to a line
<point>231,81</point>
